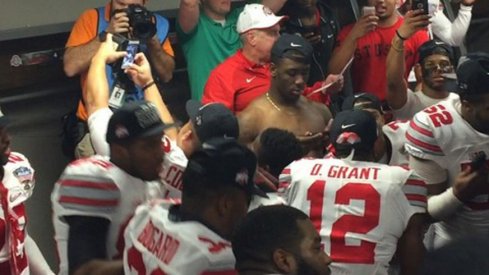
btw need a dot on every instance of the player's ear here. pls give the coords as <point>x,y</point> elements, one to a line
<point>284,261</point>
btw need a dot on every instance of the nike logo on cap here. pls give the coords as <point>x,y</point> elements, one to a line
<point>347,126</point>
<point>439,43</point>
<point>292,44</point>
<point>330,35</point>
<point>248,80</point>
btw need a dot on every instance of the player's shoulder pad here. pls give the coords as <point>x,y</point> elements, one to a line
<point>86,186</point>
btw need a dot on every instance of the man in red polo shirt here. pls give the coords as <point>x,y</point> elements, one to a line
<point>245,75</point>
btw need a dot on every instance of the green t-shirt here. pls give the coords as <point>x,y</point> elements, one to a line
<point>207,45</point>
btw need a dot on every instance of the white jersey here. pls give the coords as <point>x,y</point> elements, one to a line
<point>273,199</point>
<point>95,187</point>
<point>417,101</point>
<point>395,131</point>
<point>439,133</point>
<point>16,186</point>
<point>157,243</point>
<point>174,161</point>
<point>358,208</point>
<point>173,166</point>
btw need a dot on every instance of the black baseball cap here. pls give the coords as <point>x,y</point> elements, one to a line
<point>473,75</point>
<point>288,42</point>
<point>374,102</point>
<point>212,120</point>
<point>432,47</point>
<point>360,123</point>
<point>223,162</point>
<point>135,120</point>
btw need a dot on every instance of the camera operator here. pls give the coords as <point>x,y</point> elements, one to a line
<point>123,17</point>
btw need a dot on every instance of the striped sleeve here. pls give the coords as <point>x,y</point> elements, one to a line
<point>416,192</point>
<point>284,180</point>
<point>87,194</point>
<point>289,186</point>
<point>421,142</point>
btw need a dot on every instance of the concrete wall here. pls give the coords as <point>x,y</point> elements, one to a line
<point>24,18</point>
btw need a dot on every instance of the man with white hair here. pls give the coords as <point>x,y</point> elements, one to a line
<point>246,75</point>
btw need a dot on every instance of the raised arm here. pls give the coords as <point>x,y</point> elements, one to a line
<point>453,33</point>
<point>274,5</point>
<point>396,65</point>
<point>97,95</point>
<point>346,48</point>
<point>140,73</point>
<point>188,15</point>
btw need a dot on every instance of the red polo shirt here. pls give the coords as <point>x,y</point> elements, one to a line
<point>236,82</point>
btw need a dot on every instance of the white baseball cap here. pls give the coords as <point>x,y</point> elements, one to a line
<point>257,16</point>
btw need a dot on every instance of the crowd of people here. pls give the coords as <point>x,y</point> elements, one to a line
<point>280,169</point>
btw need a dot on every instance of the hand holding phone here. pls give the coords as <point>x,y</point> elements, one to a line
<point>131,49</point>
<point>367,10</point>
<point>420,5</point>
<point>478,160</point>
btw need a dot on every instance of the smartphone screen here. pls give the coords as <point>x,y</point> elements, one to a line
<point>131,49</point>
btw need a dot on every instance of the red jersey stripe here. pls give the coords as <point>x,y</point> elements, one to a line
<point>89,184</point>
<point>419,129</point>
<point>416,182</point>
<point>89,202</point>
<point>286,171</point>
<point>422,144</point>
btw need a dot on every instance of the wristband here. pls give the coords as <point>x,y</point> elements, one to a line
<point>148,85</point>
<point>443,205</point>
<point>400,37</point>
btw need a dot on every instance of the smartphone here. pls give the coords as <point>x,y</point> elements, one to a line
<point>478,160</point>
<point>368,10</point>
<point>420,5</point>
<point>132,50</point>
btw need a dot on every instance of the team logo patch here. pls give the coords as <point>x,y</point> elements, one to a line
<point>24,174</point>
<point>121,131</point>
<point>242,177</point>
<point>198,120</point>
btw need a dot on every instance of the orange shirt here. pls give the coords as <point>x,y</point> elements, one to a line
<point>84,31</point>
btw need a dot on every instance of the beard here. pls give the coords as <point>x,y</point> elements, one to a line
<point>304,268</point>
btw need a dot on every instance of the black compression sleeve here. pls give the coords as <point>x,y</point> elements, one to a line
<point>87,240</point>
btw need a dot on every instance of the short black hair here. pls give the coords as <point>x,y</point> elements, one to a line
<point>266,229</point>
<point>278,148</point>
